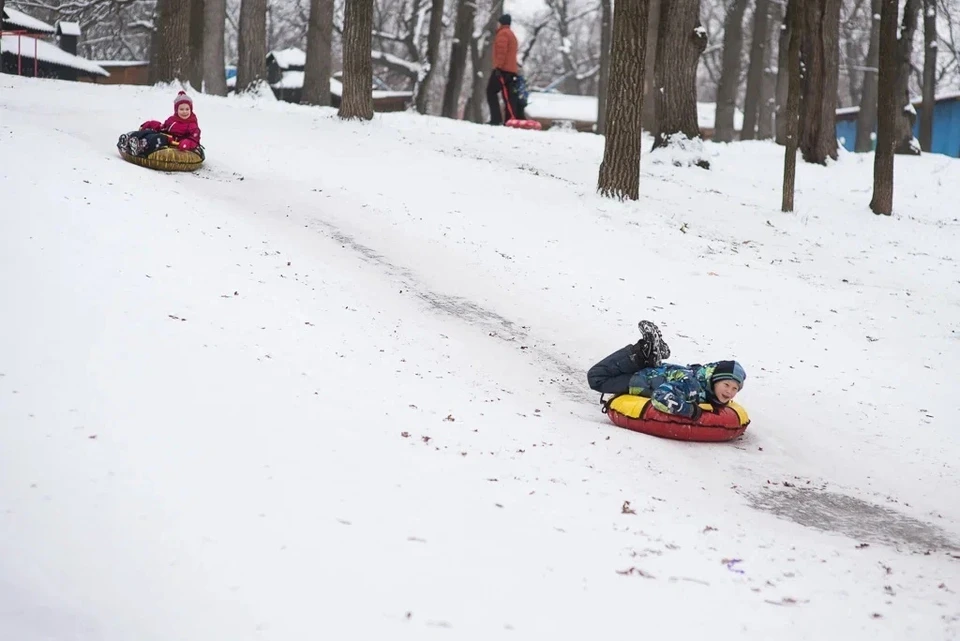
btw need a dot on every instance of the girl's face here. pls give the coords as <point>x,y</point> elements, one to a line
<point>725,390</point>
<point>184,110</point>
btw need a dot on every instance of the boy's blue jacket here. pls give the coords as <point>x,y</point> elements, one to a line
<point>675,389</point>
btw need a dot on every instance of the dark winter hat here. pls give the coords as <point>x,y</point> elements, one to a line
<point>182,97</point>
<point>728,371</point>
<point>506,19</point>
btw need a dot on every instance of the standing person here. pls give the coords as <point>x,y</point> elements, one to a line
<point>504,75</point>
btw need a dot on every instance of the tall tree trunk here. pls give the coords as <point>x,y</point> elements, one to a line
<point>679,44</point>
<point>195,73</point>
<point>319,63</point>
<point>792,70</point>
<point>820,52</point>
<point>906,116</point>
<point>433,53</point>
<point>783,73</point>
<point>882,202</point>
<point>756,71</point>
<point>462,36</point>
<point>867,118</point>
<point>214,72</point>
<point>606,33</point>
<point>481,53</point>
<point>650,66</point>
<point>252,44</point>
<point>768,87</point>
<point>170,43</point>
<point>620,169</point>
<point>729,85</point>
<point>357,98</point>
<point>929,73</point>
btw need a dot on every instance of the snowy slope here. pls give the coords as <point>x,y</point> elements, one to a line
<point>332,385</point>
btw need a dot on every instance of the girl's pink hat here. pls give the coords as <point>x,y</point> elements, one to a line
<point>182,97</point>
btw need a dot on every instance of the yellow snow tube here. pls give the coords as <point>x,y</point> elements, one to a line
<point>167,159</point>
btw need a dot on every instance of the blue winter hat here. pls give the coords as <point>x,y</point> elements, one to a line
<point>728,371</point>
<point>505,19</point>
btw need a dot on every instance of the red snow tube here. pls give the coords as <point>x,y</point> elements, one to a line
<point>523,124</point>
<point>715,424</point>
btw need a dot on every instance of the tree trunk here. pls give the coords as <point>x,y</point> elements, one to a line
<point>481,52</point>
<point>214,72</point>
<point>820,52</point>
<point>195,73</point>
<point>679,45</point>
<point>170,43</point>
<point>462,36</point>
<point>756,71</point>
<point>251,45</point>
<point>606,32</point>
<point>319,63</point>
<point>791,69</point>
<point>729,85</point>
<point>882,202</point>
<point>867,118</point>
<point>783,73</point>
<point>650,66</point>
<point>433,53</point>
<point>929,73</point>
<point>357,98</point>
<point>620,169</point>
<point>905,115</point>
<point>768,88</point>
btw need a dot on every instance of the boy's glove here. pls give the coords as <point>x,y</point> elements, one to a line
<point>697,413</point>
<point>151,124</point>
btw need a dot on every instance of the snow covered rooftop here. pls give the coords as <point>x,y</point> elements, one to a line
<point>46,52</point>
<point>291,57</point>
<point>68,28</point>
<point>290,80</point>
<point>336,88</point>
<point>121,63</point>
<point>20,19</point>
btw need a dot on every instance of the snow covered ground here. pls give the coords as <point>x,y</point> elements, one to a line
<point>332,385</point>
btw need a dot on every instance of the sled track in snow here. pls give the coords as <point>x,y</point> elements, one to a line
<point>567,380</point>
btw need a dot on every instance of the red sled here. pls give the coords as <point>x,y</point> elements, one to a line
<point>523,124</point>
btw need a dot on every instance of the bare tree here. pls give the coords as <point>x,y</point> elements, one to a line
<point>319,63</point>
<point>357,98</point>
<point>679,44</point>
<point>650,66</point>
<point>433,55</point>
<point>905,114</point>
<point>606,34</point>
<point>867,118</point>
<point>929,72</point>
<point>820,52</point>
<point>755,72</point>
<point>768,86</point>
<point>729,85</point>
<point>214,75</point>
<point>170,45</point>
<point>195,73</point>
<point>792,70</point>
<point>252,45</point>
<point>882,202</point>
<point>462,35</point>
<point>783,74</point>
<point>620,169</point>
<point>481,59</point>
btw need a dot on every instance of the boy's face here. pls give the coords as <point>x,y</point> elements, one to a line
<point>184,110</point>
<point>725,390</point>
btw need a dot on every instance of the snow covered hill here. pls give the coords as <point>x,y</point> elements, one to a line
<point>333,385</point>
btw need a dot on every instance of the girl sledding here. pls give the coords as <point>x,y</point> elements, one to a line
<point>687,402</point>
<point>173,145</point>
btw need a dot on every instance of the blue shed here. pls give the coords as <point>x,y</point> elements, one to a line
<point>946,125</point>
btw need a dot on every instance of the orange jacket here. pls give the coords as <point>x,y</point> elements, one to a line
<point>505,50</point>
